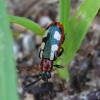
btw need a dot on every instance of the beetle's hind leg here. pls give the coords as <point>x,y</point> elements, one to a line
<point>64,38</point>
<point>62,49</point>
<point>61,52</point>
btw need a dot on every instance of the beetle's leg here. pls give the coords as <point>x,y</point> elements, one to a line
<point>58,66</point>
<point>64,38</point>
<point>61,52</point>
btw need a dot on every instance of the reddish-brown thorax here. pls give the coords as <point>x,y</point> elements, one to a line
<point>46,65</point>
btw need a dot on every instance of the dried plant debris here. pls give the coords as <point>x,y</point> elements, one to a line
<point>96,62</point>
<point>87,96</point>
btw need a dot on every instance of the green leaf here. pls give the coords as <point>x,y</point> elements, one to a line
<point>64,14</point>
<point>8,79</point>
<point>78,26</point>
<point>64,19</point>
<point>28,24</point>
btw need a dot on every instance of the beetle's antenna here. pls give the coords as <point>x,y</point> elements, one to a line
<point>31,84</point>
<point>52,94</point>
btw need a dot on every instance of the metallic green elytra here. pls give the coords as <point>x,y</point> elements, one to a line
<point>51,42</point>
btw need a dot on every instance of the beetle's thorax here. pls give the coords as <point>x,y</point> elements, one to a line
<point>46,65</point>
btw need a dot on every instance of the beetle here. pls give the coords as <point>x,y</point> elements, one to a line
<point>50,50</point>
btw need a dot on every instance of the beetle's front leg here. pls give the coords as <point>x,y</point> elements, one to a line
<point>58,66</point>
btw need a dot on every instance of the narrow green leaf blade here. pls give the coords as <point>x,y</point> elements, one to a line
<point>28,24</point>
<point>79,25</point>
<point>8,79</point>
<point>64,14</point>
<point>64,19</point>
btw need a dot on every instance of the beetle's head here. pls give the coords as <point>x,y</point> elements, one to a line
<point>44,75</point>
